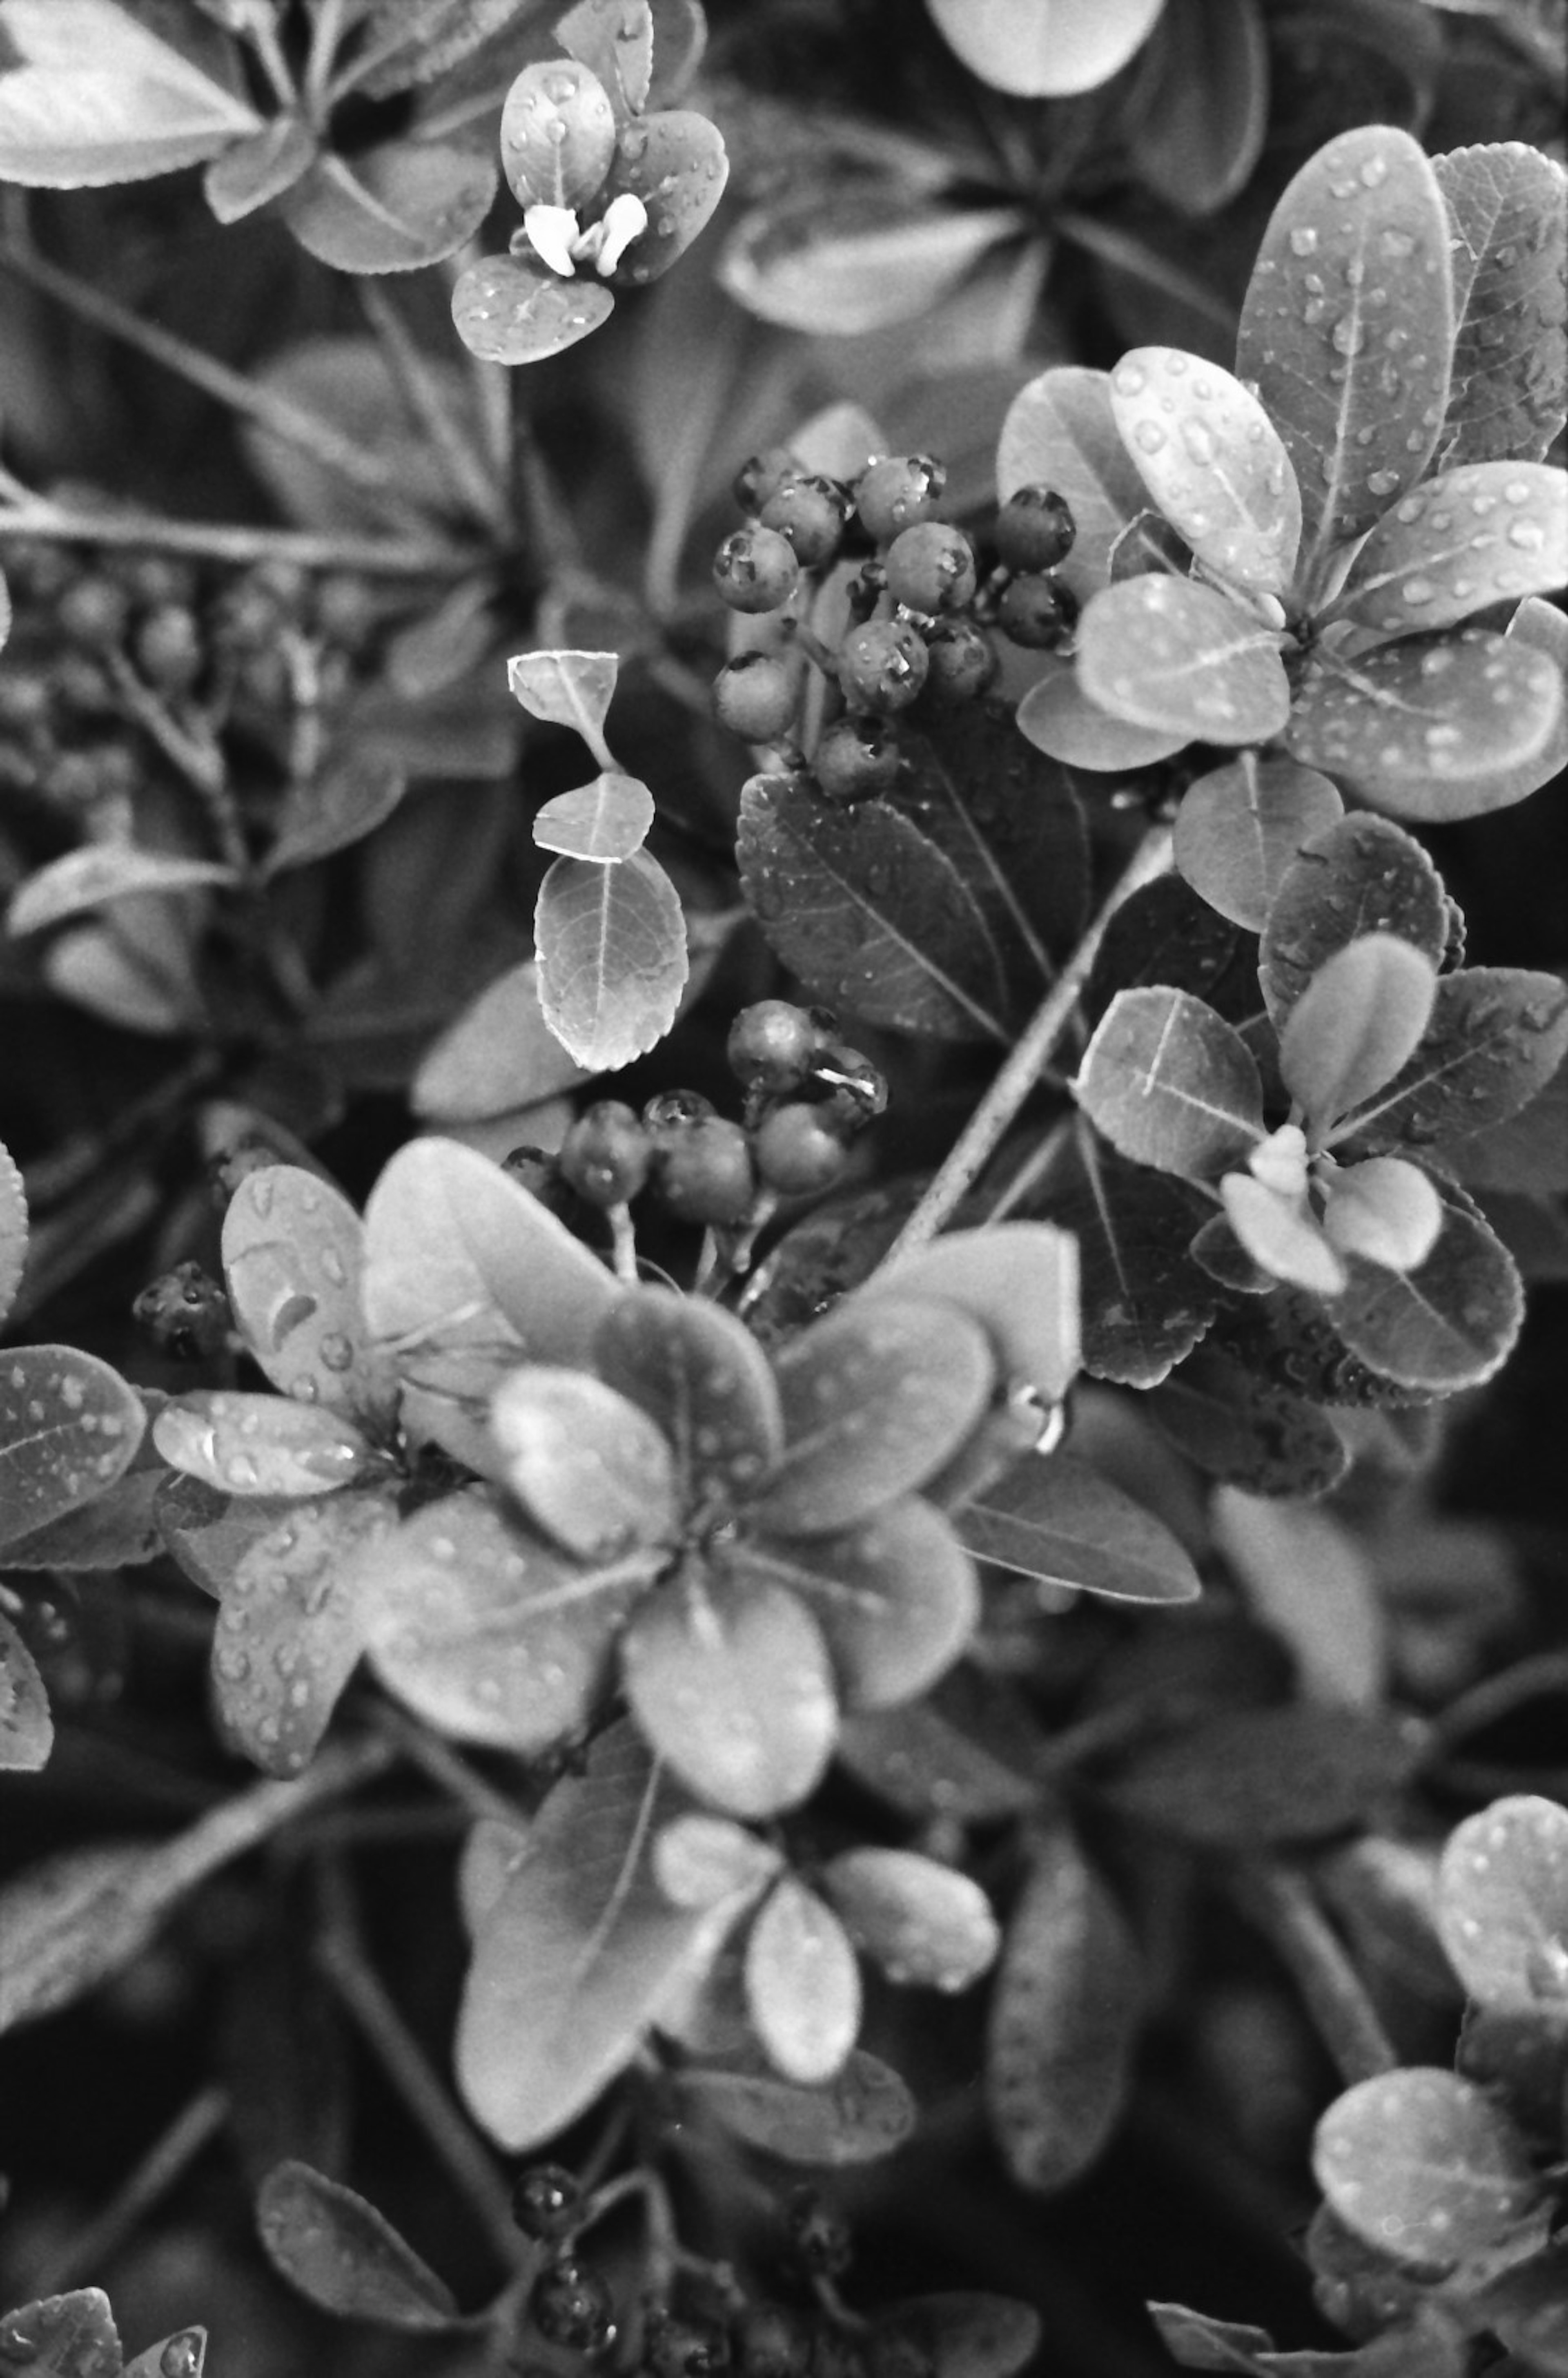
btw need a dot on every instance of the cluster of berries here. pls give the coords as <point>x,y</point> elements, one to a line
<point>807,1094</point>
<point>918,608</point>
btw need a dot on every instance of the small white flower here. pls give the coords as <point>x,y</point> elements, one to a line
<point>552,235</point>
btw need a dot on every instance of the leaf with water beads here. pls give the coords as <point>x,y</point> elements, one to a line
<point>345,2255</point>
<point>1171,1083</point>
<point>1509,260</point>
<point>507,311</point>
<point>63,2337</point>
<point>1057,717</point>
<point>617,40</point>
<point>1486,533</point>
<point>1503,1903</point>
<point>294,1249</point>
<point>1239,828</point>
<point>701,1375</point>
<point>1145,1302</point>
<point>259,1444</point>
<point>1363,875</point>
<point>923,1923</point>
<point>1238,1426</point>
<point>69,1427</point>
<point>802,1985</point>
<point>593,1469</point>
<point>1448,1324</point>
<point>1213,462</point>
<point>1348,327</point>
<point>558,134</point>
<point>1169,653</point>
<point>674,163</point>
<point>13,1229</point>
<point>1425,728</point>
<point>1424,2167</point>
<point>1495,1039</point>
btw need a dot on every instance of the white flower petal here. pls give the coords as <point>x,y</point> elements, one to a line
<point>1384,1209</point>
<point>552,233</point>
<point>1279,1233</point>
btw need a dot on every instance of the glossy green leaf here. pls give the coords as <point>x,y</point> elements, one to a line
<point>99,873</point>
<point>1496,1036</point>
<point>1213,462</point>
<point>863,2113</point>
<point>1424,2167</point>
<point>558,134</point>
<point>63,2337</point>
<point>207,1532</point>
<point>729,1679</point>
<point>592,1467</point>
<point>1018,1280</point>
<point>1239,828</point>
<point>69,1427</point>
<point>869,912</point>
<point>13,1229</point>
<point>612,955</point>
<point>490,1635</point>
<point>507,311</point>
<point>1057,1519</point>
<point>26,1730</point>
<point>1384,1209</point>
<point>1145,1302</point>
<point>802,1985</point>
<point>1509,256</point>
<point>698,1372</point>
<point>1253,1777</point>
<point>1449,1323</point>
<point>674,160</point>
<point>1277,1234</point>
<point>1171,1085</point>
<point>291,1625</point>
<point>876,1398</point>
<point>353,794</point>
<point>923,1923</point>
<point>1481,533</point>
<point>345,2255</point>
<point>896,1597</point>
<point>404,203</point>
<point>841,258</point>
<point>1502,1901</point>
<point>93,93</point>
<point>294,1255</point>
<point>1356,1024</point>
<point>578,1955</point>
<point>565,689</point>
<point>601,821</point>
<point>1057,717</point>
<point>701,1859</point>
<point>260,1445</point>
<point>1525,2307</point>
<point>1166,653</point>
<point>117,1529</point>
<point>1063,2019</point>
<point>1060,432</point>
<point>1348,327</point>
<point>1364,875</point>
<point>1044,49</point>
<point>1247,1431</point>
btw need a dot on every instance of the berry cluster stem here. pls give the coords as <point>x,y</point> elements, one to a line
<point>980,1137</point>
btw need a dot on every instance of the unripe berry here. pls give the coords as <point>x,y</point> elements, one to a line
<point>151,578</point>
<point>706,1173</point>
<point>798,1152</point>
<point>606,1154</point>
<point>24,698</point>
<point>818,2233</point>
<point>772,2341</point>
<point>755,695</point>
<point>960,662</point>
<point>931,567</point>
<point>1037,611</point>
<point>857,759</point>
<point>80,687</point>
<point>168,649</point>
<point>763,475</point>
<point>95,613</point>
<point>674,1112</point>
<point>571,2306</point>
<point>900,489</point>
<point>811,513</point>
<point>546,2199</point>
<point>1035,529</point>
<point>771,1046</point>
<point>756,570</point>
<point>882,665</point>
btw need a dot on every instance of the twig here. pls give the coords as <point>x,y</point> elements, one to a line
<point>220,541</point>
<point>972,1151</point>
<point>422,393</point>
<point>165,2163</point>
<point>1280,1900</point>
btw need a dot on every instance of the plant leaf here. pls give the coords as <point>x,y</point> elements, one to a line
<point>1482,533</point>
<point>1165,934</point>
<point>1497,1036</point>
<point>1050,51</point>
<point>1307,1577</point>
<point>864,2113</point>
<point>259,1444</point>
<point>63,2337</point>
<point>1362,876</point>
<point>293,1258</point>
<point>701,1859</point>
<point>92,93</point>
<point>675,162</point>
<point>579,1953</point>
<point>1171,1083</point>
<point>69,1427</point>
<point>1169,653</point>
<point>1063,2019</point>
<point>1251,1777</point>
<point>896,1598</point>
<point>1448,1324</point>
<point>1239,828</point>
<point>617,44</point>
<point>875,1399</point>
<point>346,800</point>
<point>1145,1302</point>
<point>99,873</point>
<point>869,912</point>
<point>1423,2167</point>
<point>345,2255</point>
<point>1018,1281</point>
<point>1057,717</point>
<point>1503,1903</point>
<point>1058,1521</point>
<point>1348,327</point>
<point>408,201</point>
<point>1357,1021</point>
<point>13,1229</point>
<point>1213,462</point>
<point>259,168</point>
<point>509,312</point>
<point>490,1635</point>
<point>698,1372</point>
<point>611,957</point>
<point>802,1985</point>
<point>1509,256</point>
<point>26,1730</point>
<point>857,257</point>
<point>590,1466</point>
<point>602,822</point>
<point>922,1922</point>
<point>565,689</point>
<point>1205,119</point>
<point>1246,1430</point>
<point>498,1054</point>
<point>1060,432</point>
<point>940,1755</point>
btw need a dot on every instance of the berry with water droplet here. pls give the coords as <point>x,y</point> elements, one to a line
<point>607,1154</point>
<point>798,1151</point>
<point>184,1313</point>
<point>882,665</point>
<point>771,1046</point>
<point>1035,529</point>
<point>818,2233</point>
<point>756,570</point>
<point>571,2306</point>
<point>1037,611</point>
<point>857,759</point>
<point>755,695</point>
<point>931,567</point>
<point>811,512</point>
<point>891,495</point>
<point>547,2201</point>
<point>960,662</point>
<point>675,1111</point>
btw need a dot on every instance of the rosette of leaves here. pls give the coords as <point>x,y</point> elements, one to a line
<point>1331,555</point>
<point>613,191</point>
<point>373,139</point>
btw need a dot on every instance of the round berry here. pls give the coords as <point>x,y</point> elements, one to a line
<point>24,698</point>
<point>894,493</point>
<point>771,1046</point>
<point>674,1112</point>
<point>931,567</point>
<point>960,661</point>
<point>857,759</point>
<point>811,511</point>
<point>186,1314</point>
<point>818,2233</point>
<point>74,780</point>
<point>798,1152</point>
<point>95,613</point>
<point>1037,611</point>
<point>168,648</point>
<point>345,610</point>
<point>1035,529</point>
<point>882,666</point>
<point>761,477</point>
<point>706,1174</point>
<point>684,2348</point>
<point>772,2341</point>
<point>755,696</point>
<point>288,584</point>
<point>40,571</point>
<point>151,578</point>
<point>756,570</point>
<point>606,1154</point>
<point>546,2200</point>
<point>858,1090</point>
<point>249,615</point>
<point>570,2305</point>
<point>80,687</point>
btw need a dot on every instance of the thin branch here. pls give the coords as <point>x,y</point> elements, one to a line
<point>980,1137</point>
<point>1280,1902</point>
<point>219,541</point>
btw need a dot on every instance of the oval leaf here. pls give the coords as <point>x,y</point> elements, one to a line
<point>1424,2167</point>
<point>1254,1776</point>
<point>1487,532</point>
<point>1355,1024</point>
<point>498,1055</point>
<point>675,162</point>
<point>1171,1083</point>
<point>344,2255</point>
<point>1239,828</point>
<point>596,1471</point>
<point>611,957</point>
<point>1496,1037</point>
<point>407,203</point>
<point>802,1985</point>
<point>813,266</point>
<point>98,874</point>
<point>1503,1903</point>
<point>509,312</point>
<point>1363,876</point>
<point>863,2113</point>
<point>1166,652</point>
<point>1060,1521</point>
<point>698,1372</point>
<point>1509,260</point>
<point>565,689</point>
<point>293,1253</point>
<point>91,95</point>
<point>921,1922</point>
<point>1449,1323</point>
<point>26,1730</point>
<point>1057,717</point>
<point>1213,462</point>
<point>1044,49</point>
<point>63,2337</point>
<point>1019,1281</point>
<point>69,1427</point>
<point>700,1860</point>
<point>259,1444</point>
<point>601,821</point>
